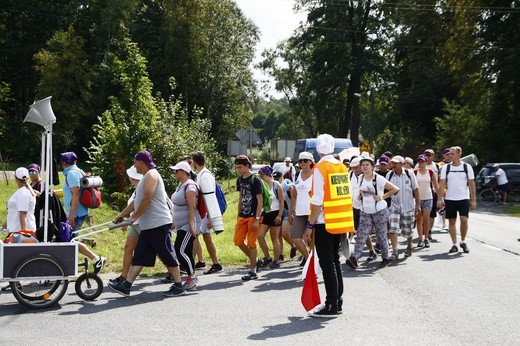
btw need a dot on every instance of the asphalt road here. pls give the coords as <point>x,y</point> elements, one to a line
<point>429,298</point>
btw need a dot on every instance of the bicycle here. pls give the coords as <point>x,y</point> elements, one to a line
<point>489,196</point>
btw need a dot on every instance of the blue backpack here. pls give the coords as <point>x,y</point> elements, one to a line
<point>221,198</point>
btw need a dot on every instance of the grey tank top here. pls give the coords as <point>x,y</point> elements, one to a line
<point>158,213</point>
<point>180,206</point>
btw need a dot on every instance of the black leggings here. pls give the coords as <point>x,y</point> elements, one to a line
<point>184,250</point>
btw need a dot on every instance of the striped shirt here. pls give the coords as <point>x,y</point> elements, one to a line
<point>403,201</point>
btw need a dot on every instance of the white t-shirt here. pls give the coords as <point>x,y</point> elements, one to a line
<point>21,200</point>
<point>501,177</point>
<point>424,182</point>
<point>367,191</point>
<point>354,189</point>
<point>303,199</point>
<point>275,203</point>
<point>457,183</point>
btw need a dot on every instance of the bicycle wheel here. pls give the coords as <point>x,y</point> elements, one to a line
<point>89,288</point>
<point>514,196</point>
<point>487,197</point>
<point>35,293</point>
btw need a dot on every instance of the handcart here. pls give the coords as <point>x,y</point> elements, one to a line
<point>39,273</point>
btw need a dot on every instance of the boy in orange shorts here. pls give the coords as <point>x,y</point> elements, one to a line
<point>249,212</point>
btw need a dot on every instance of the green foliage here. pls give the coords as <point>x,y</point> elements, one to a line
<point>136,120</point>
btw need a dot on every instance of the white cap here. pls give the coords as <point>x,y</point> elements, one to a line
<point>397,159</point>
<point>355,162</point>
<point>325,144</point>
<point>305,155</point>
<point>408,160</point>
<point>496,165</point>
<point>183,165</point>
<point>287,159</point>
<point>21,173</point>
<point>132,173</point>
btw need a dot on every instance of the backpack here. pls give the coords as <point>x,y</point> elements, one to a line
<point>89,197</point>
<point>448,166</point>
<point>221,198</point>
<point>23,236</point>
<point>201,206</point>
<point>266,194</point>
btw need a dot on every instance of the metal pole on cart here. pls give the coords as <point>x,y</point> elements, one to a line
<point>41,113</point>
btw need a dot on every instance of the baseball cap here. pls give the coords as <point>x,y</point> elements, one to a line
<point>146,157</point>
<point>496,165</point>
<point>183,165</point>
<point>132,173</point>
<point>398,159</point>
<point>69,157</point>
<point>408,160</point>
<point>429,151</point>
<point>305,155</point>
<point>33,167</point>
<point>266,170</point>
<point>446,151</point>
<point>21,173</point>
<point>384,159</point>
<point>422,158</point>
<point>277,174</point>
<point>242,160</point>
<point>355,162</point>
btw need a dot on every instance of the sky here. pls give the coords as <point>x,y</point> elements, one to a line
<point>276,21</point>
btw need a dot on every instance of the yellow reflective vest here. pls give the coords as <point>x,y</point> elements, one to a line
<point>337,201</point>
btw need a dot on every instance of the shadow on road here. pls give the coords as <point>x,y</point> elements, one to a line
<point>440,256</point>
<point>296,325</point>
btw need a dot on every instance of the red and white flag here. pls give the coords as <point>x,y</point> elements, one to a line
<point>310,292</point>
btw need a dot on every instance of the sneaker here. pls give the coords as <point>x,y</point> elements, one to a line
<point>464,247</point>
<point>190,283</point>
<point>372,256</point>
<point>430,236</point>
<point>352,262</point>
<point>408,251</point>
<point>302,263</point>
<point>293,252</point>
<point>250,276</point>
<point>281,258</point>
<point>200,265</point>
<point>175,291</point>
<point>99,264</point>
<point>454,249</point>
<point>119,288</point>
<point>259,264</point>
<point>340,306</point>
<point>326,311</point>
<point>215,268</point>
<point>266,262</point>
<point>421,243</point>
<point>395,256</point>
<point>426,243</point>
<point>167,280</point>
<point>377,248</point>
<point>385,263</point>
<point>275,265</point>
<point>118,279</point>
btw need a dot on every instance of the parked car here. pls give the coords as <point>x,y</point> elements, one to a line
<point>486,174</point>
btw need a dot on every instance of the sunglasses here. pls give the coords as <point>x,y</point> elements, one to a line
<point>303,160</point>
<point>33,172</point>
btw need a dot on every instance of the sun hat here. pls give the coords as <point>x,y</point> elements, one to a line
<point>325,144</point>
<point>132,173</point>
<point>287,159</point>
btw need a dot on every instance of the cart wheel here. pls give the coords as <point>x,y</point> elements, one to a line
<point>36,293</point>
<point>89,287</point>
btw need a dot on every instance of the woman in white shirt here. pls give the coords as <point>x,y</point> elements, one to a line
<point>374,212</point>
<point>425,181</point>
<point>300,203</point>
<point>20,206</point>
